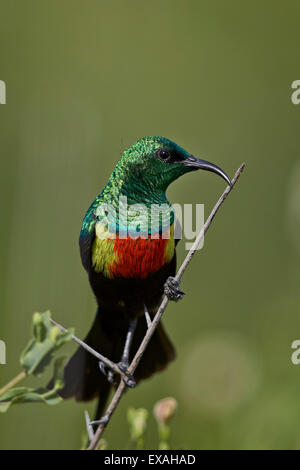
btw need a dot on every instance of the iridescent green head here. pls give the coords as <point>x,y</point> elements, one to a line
<point>157,161</point>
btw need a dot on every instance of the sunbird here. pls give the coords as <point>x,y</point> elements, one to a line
<point>129,272</point>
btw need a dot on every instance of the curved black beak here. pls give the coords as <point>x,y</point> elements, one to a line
<point>198,164</point>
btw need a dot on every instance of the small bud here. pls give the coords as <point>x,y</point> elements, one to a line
<point>36,318</point>
<point>164,410</point>
<point>137,419</point>
<point>38,327</point>
<point>54,333</point>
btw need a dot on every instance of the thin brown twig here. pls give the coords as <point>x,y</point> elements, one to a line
<point>92,351</point>
<point>89,427</point>
<point>13,382</point>
<point>121,388</point>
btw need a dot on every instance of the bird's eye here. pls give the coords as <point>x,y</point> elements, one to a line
<point>164,154</point>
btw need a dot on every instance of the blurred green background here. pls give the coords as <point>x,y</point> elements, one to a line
<point>85,79</point>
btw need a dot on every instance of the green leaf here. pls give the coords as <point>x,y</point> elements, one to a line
<point>47,338</point>
<point>38,395</point>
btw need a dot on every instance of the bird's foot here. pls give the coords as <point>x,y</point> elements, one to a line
<point>172,289</point>
<point>111,376</point>
<point>129,381</point>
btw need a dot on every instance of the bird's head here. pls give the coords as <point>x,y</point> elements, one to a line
<point>159,161</point>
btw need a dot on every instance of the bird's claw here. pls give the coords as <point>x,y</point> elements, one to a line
<point>129,381</point>
<point>111,376</point>
<point>172,289</point>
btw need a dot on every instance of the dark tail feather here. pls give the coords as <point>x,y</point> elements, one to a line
<point>83,379</point>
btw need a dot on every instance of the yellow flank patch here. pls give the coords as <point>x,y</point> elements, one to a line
<point>170,246</point>
<point>103,250</point>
